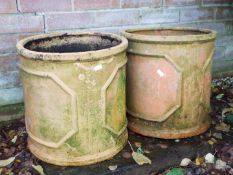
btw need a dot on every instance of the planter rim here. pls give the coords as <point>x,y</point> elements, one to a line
<point>72,56</point>
<point>205,34</point>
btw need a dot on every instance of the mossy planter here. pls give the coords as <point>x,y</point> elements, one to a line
<point>74,93</point>
<point>169,80</point>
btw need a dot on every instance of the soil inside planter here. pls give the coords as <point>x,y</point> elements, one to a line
<point>72,43</point>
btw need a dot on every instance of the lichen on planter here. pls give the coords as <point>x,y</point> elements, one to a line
<point>74,91</point>
<point>168,81</point>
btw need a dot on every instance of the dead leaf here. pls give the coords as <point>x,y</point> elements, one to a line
<point>146,151</point>
<point>161,145</point>
<point>209,158</point>
<point>220,165</point>
<point>138,144</point>
<point>230,104</point>
<point>199,161</point>
<point>140,150</point>
<point>219,96</point>
<point>39,169</point>
<point>210,142</point>
<point>140,159</point>
<point>185,162</point>
<point>127,155</point>
<point>112,167</point>
<point>223,127</point>
<point>6,162</point>
<point>175,171</point>
<point>14,139</point>
<point>226,110</point>
<point>217,135</point>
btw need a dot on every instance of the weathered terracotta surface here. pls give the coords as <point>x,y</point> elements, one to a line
<point>74,93</point>
<point>168,81</point>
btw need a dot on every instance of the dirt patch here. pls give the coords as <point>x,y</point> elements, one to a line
<point>72,43</point>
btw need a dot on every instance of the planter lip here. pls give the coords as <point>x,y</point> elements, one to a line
<point>205,35</point>
<point>72,56</point>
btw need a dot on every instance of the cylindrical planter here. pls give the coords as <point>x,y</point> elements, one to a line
<point>74,93</point>
<point>168,81</point>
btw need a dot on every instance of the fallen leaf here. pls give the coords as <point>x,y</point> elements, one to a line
<point>226,153</point>
<point>226,110</point>
<point>127,155</point>
<point>14,139</point>
<point>219,96</point>
<point>140,150</point>
<point>231,171</point>
<point>138,144</point>
<point>6,162</point>
<point>185,162</point>
<point>209,158</point>
<point>146,151</point>
<point>112,167</point>
<point>217,135</point>
<point>214,140</point>
<point>199,161</point>
<point>223,127</point>
<point>220,165</point>
<point>39,169</point>
<point>229,118</point>
<point>210,142</point>
<point>140,159</point>
<point>175,171</point>
<point>161,145</point>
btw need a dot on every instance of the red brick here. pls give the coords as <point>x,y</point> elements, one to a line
<point>21,23</point>
<point>8,6</point>
<point>219,52</point>
<point>9,79</point>
<point>229,51</point>
<point>224,40</point>
<point>44,5</point>
<point>149,16</point>
<point>224,13</point>
<point>8,42</point>
<point>229,27</point>
<point>69,20</point>
<point>217,2</point>
<point>196,14</point>
<point>117,18</point>
<point>217,26</point>
<point>182,2</point>
<point>9,63</point>
<point>138,3</point>
<point>96,4</point>
<point>79,20</point>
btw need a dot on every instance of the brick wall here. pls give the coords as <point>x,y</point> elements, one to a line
<point>20,18</point>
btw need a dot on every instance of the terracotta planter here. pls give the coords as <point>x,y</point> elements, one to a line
<point>74,92</point>
<point>168,81</point>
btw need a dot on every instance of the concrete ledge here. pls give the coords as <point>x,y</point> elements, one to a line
<point>11,96</point>
<point>11,112</point>
<point>222,68</point>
